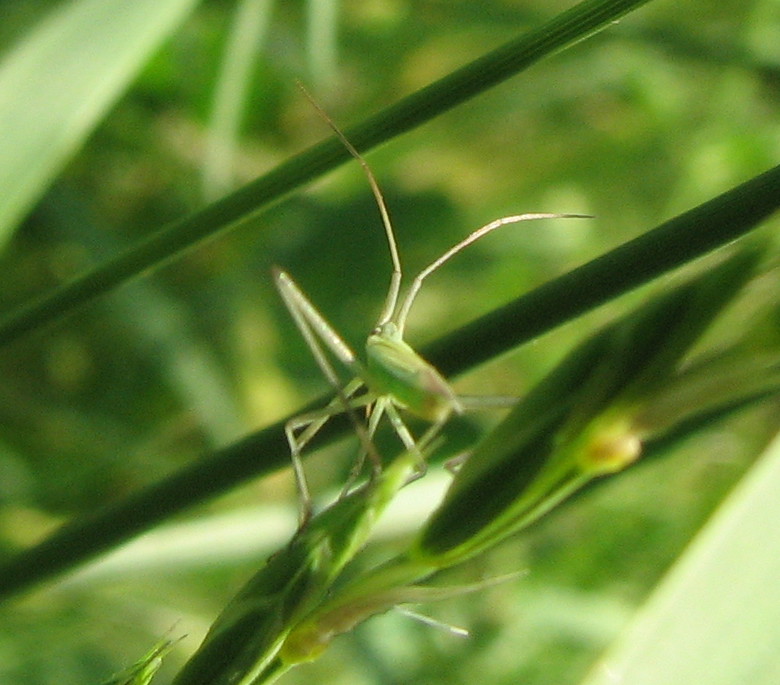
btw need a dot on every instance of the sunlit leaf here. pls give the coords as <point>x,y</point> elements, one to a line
<point>715,619</point>
<point>61,78</point>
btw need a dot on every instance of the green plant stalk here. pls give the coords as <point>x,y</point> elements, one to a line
<point>247,636</point>
<point>692,234</point>
<point>566,29</point>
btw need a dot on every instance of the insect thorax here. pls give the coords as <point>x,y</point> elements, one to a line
<point>396,370</point>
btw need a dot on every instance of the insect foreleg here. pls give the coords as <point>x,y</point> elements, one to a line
<point>311,323</point>
<point>314,329</point>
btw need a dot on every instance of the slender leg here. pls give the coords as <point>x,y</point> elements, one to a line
<point>374,414</point>
<point>414,446</point>
<point>317,332</point>
<point>312,422</point>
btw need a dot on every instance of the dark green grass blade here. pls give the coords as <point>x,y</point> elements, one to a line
<point>478,76</point>
<point>675,242</point>
<point>625,362</point>
<point>691,234</point>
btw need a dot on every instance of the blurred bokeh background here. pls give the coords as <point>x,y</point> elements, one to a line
<point>674,104</point>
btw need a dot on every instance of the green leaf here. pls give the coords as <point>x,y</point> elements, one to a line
<point>579,422</point>
<point>58,82</point>
<point>242,644</point>
<point>715,618</point>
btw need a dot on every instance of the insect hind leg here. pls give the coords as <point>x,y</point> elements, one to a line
<point>301,429</point>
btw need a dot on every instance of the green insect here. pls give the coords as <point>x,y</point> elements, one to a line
<point>288,612</point>
<point>393,376</point>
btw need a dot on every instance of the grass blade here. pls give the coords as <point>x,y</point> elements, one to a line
<point>247,35</point>
<point>423,105</point>
<point>715,618</point>
<point>57,84</point>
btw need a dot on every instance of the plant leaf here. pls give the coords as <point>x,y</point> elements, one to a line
<point>58,82</point>
<point>143,671</point>
<point>715,618</point>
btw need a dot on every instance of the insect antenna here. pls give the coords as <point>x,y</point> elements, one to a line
<point>395,279</point>
<point>468,240</point>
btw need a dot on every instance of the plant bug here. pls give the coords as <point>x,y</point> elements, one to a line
<point>393,376</point>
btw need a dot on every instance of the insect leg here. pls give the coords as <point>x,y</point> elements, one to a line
<point>311,422</point>
<point>317,331</point>
<point>414,446</point>
<point>375,413</point>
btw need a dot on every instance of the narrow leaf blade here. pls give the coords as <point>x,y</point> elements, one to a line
<point>715,618</point>
<point>58,82</point>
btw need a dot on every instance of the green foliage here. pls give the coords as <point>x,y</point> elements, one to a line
<point>60,79</point>
<point>145,404</point>
<point>727,576</point>
<point>143,671</point>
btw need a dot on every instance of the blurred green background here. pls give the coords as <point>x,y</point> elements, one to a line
<point>676,103</point>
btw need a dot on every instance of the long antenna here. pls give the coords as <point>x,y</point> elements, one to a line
<point>395,279</point>
<point>468,240</point>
